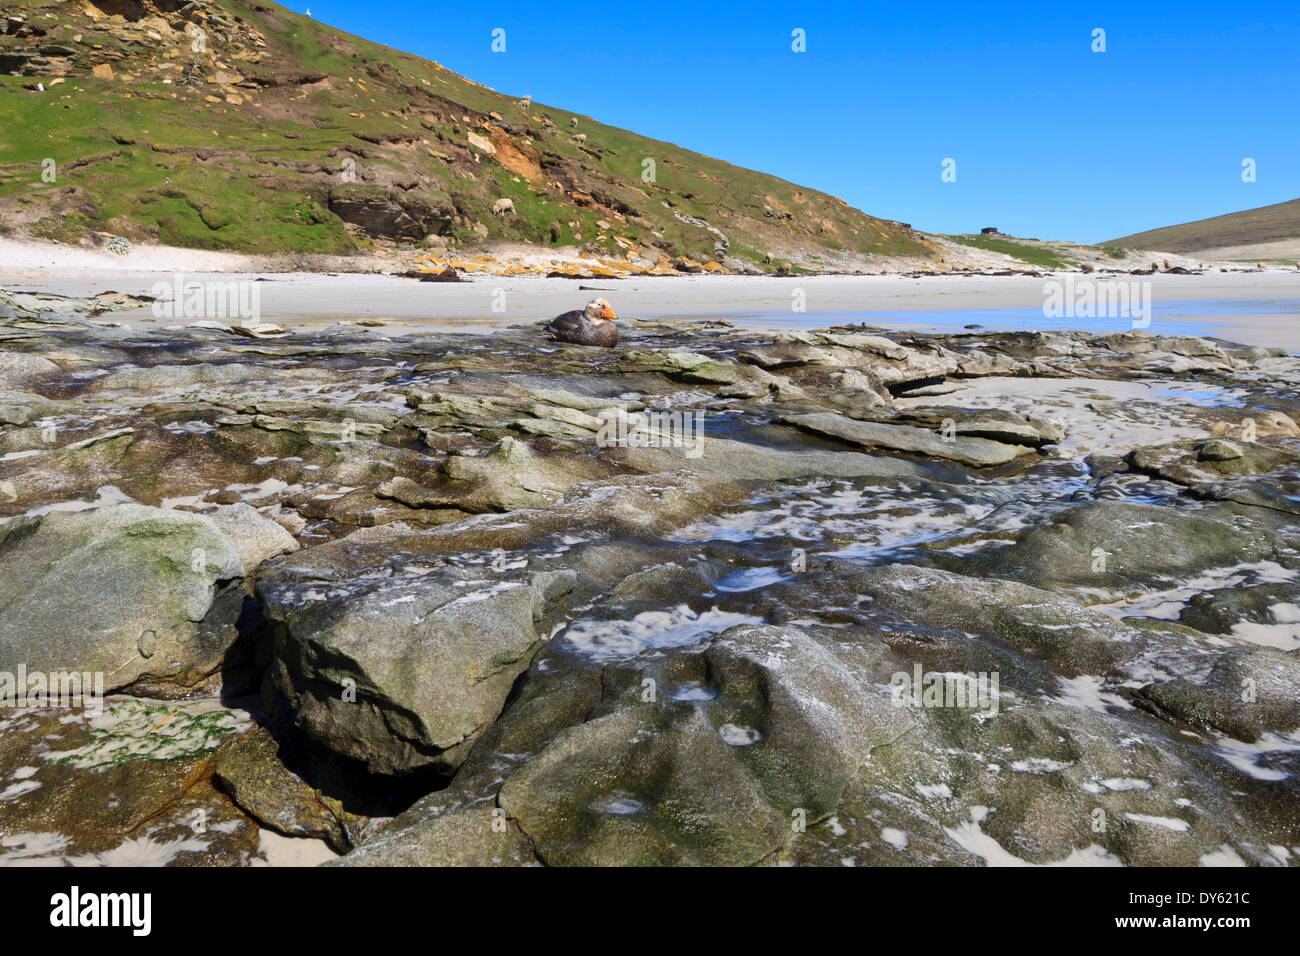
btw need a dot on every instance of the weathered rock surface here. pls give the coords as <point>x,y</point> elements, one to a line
<point>142,595</point>
<point>256,539</point>
<point>970,451</point>
<point>509,476</point>
<point>1247,693</point>
<point>491,629</point>
<point>407,673</point>
<point>252,772</point>
<point>770,745</point>
<point>1213,460</point>
<point>993,424</point>
<point>674,781</point>
<point>1115,544</point>
<point>746,461</point>
<point>19,408</point>
<point>684,366</point>
<point>127,787</point>
<point>19,370</point>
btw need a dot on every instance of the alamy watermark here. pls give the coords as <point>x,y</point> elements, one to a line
<point>1076,298</point>
<point>234,300</point>
<point>933,689</point>
<point>652,429</point>
<point>74,908</point>
<point>39,689</point>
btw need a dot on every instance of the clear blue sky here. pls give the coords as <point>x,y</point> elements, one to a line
<point>1051,140</point>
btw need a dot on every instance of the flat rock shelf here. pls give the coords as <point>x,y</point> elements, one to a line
<point>718,596</point>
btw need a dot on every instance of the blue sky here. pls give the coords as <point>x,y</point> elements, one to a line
<point>1051,140</point>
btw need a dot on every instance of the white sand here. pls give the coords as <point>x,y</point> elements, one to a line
<point>25,258</point>
<point>307,298</point>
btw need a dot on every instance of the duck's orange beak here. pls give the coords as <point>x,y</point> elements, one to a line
<point>608,313</point>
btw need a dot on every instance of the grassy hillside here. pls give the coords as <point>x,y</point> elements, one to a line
<point>1043,255</point>
<point>241,125</point>
<point>1250,227</point>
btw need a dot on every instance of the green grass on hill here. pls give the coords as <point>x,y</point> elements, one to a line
<point>1249,227</point>
<point>1034,255</point>
<point>158,160</point>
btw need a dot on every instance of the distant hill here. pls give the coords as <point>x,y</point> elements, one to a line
<point>241,125</point>
<point>1266,232</point>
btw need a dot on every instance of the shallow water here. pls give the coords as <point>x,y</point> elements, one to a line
<point>1199,317</point>
<point>875,521</point>
<point>785,527</point>
<point>864,521</point>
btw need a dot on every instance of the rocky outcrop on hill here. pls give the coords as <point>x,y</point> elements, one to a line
<point>361,148</point>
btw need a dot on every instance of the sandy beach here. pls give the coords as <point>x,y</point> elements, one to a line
<point>1258,308</point>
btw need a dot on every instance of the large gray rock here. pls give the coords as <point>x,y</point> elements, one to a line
<point>146,596</point>
<point>1261,610</point>
<point>969,451</point>
<point>403,671</point>
<point>643,788</point>
<point>994,424</point>
<point>256,538</point>
<point>1114,544</point>
<point>19,408</point>
<point>509,476</point>
<point>1038,623</point>
<point>693,367</point>
<point>216,374</point>
<point>748,461</point>
<point>474,834</point>
<point>1211,460</point>
<point>1274,493</point>
<point>889,362</point>
<point>252,772</point>
<point>1247,693</point>
<point>679,777</point>
<point>21,369</point>
<point>777,745</point>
